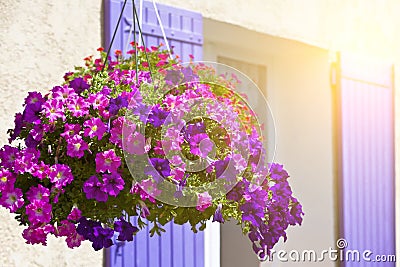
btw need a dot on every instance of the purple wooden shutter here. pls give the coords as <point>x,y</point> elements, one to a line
<point>178,246</point>
<point>366,157</point>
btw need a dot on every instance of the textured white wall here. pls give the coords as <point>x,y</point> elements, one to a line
<point>355,26</point>
<point>39,42</point>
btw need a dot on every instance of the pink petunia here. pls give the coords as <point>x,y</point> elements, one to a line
<point>41,170</point>
<point>75,214</point>
<point>204,201</point>
<point>78,106</point>
<point>53,110</point>
<point>98,101</point>
<point>135,144</point>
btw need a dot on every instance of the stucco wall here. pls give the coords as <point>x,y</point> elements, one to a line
<point>355,26</point>
<point>39,42</point>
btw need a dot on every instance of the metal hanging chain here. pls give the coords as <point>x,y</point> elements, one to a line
<point>162,30</point>
<point>141,37</point>
<point>115,33</point>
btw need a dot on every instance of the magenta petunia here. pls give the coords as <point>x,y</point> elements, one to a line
<point>60,175</point>
<point>76,146</point>
<point>39,211</point>
<point>74,240</point>
<point>12,198</point>
<point>107,161</point>
<point>7,178</point>
<point>135,144</point>
<point>39,193</point>
<point>35,234</point>
<point>26,160</point>
<point>75,214</point>
<point>64,93</point>
<point>8,155</point>
<point>95,127</point>
<point>116,131</point>
<point>41,170</point>
<point>70,130</point>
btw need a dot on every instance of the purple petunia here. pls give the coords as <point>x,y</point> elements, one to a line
<point>79,85</point>
<point>218,215</point>
<point>116,104</point>
<point>125,229</point>
<point>113,184</point>
<point>93,189</point>
<point>158,167</point>
<point>157,116</point>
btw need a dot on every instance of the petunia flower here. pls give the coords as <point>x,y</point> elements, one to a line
<point>95,127</point>
<point>39,211</point>
<point>204,200</point>
<point>36,234</point>
<point>113,184</point>
<point>78,106</point>
<point>38,193</point>
<point>107,161</point>
<point>125,229</point>
<point>70,130</point>
<point>7,179</point>
<point>79,85</point>
<point>53,110</point>
<point>76,146</point>
<point>218,214</point>
<point>93,189</point>
<point>75,214</point>
<point>12,198</point>
<point>60,175</point>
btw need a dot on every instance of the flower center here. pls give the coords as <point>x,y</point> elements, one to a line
<point>94,128</point>
<point>77,146</point>
<point>4,179</point>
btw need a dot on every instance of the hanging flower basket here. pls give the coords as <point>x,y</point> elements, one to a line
<point>142,138</point>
